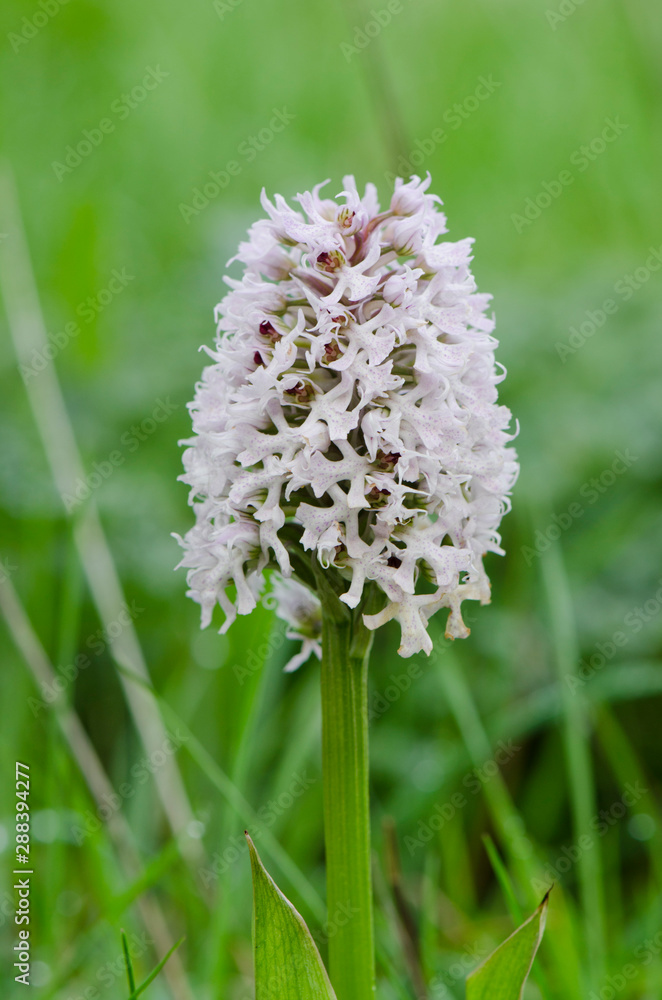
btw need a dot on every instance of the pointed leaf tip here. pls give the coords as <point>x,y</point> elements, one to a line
<point>503,975</point>
<point>287,963</point>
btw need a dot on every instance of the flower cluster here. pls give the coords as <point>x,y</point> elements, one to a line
<point>353,395</point>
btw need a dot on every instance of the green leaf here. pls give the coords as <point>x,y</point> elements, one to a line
<point>287,963</point>
<point>503,974</point>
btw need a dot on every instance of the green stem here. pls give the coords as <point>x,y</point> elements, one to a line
<point>345,764</point>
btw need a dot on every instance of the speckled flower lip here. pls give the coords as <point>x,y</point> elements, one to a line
<point>352,394</point>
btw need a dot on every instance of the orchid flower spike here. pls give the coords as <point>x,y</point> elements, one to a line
<point>351,410</point>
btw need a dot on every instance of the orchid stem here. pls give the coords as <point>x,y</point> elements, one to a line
<point>345,762</point>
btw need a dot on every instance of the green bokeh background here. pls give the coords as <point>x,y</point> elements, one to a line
<point>559,71</point>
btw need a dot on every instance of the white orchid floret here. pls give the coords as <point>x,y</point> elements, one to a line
<point>296,605</point>
<point>350,415</point>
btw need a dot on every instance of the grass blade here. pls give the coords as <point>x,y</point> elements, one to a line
<point>127,963</point>
<point>579,767</point>
<point>503,878</point>
<point>154,973</point>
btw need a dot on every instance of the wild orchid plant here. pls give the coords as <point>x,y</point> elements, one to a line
<point>349,439</point>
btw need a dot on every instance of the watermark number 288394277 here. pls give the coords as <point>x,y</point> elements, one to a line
<point>23,870</point>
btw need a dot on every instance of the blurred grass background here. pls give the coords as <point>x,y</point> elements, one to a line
<point>559,71</point>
